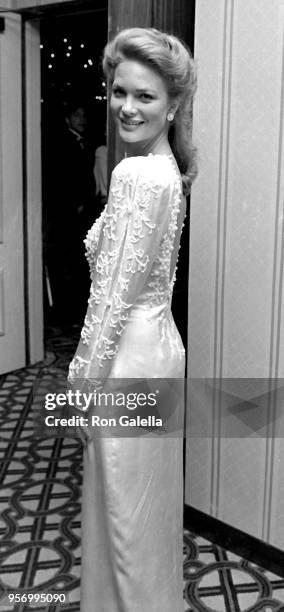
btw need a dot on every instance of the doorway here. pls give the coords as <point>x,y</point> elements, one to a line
<point>73,111</point>
<point>53,19</point>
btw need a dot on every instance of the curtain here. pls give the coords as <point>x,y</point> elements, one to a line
<point>173,16</point>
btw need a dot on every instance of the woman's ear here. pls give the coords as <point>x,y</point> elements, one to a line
<point>171,113</point>
<point>173,107</point>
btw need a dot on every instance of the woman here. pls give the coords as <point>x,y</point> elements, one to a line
<point>132,492</point>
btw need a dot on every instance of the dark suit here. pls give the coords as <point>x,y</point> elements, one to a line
<point>70,213</point>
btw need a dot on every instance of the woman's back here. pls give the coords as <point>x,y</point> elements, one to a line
<point>132,250</point>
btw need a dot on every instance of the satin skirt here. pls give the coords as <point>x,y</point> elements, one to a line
<point>132,506</point>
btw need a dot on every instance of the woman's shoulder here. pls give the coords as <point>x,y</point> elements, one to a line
<point>158,169</point>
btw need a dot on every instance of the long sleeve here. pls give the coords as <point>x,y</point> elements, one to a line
<point>131,229</point>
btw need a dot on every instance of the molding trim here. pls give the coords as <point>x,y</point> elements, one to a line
<point>2,303</point>
<point>25,195</point>
<point>1,169</point>
<point>221,233</point>
<point>276,318</point>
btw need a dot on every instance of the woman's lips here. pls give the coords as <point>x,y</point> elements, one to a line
<point>130,124</point>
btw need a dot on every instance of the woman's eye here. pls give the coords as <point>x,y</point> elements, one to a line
<point>146,96</point>
<point>117,92</point>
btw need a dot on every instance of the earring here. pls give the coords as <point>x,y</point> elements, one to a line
<point>170,116</point>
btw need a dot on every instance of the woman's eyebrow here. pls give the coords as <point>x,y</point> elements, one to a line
<point>148,89</point>
<point>137,90</point>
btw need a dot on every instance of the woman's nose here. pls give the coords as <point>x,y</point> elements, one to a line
<point>128,106</point>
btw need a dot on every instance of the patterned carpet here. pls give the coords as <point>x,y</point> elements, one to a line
<point>40,489</point>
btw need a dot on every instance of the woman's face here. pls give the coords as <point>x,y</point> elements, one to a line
<point>140,104</point>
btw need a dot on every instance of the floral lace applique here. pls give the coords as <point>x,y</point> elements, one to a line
<point>88,327</point>
<point>108,351</point>
<point>92,239</point>
<point>77,367</point>
<point>120,314</point>
<point>159,286</point>
<point>136,231</point>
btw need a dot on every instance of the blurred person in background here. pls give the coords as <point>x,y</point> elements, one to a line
<point>69,210</point>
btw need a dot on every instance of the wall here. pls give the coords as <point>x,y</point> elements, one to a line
<point>236,325</point>
<point>21,341</point>
<point>12,321</point>
<point>33,188</point>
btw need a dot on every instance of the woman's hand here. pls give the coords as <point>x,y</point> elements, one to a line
<point>83,390</point>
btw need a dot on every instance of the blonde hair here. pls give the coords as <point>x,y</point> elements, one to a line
<point>172,60</point>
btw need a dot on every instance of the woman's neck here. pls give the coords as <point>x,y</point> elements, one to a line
<point>158,146</point>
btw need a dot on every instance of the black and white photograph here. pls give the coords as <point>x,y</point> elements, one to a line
<point>141,305</point>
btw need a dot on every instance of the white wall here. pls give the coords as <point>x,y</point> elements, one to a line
<point>12,304</point>
<point>34,190</point>
<point>236,310</point>
<point>12,321</point>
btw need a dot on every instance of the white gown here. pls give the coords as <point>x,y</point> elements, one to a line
<point>132,506</point>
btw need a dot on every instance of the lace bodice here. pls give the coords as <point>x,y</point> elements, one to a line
<point>132,251</point>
